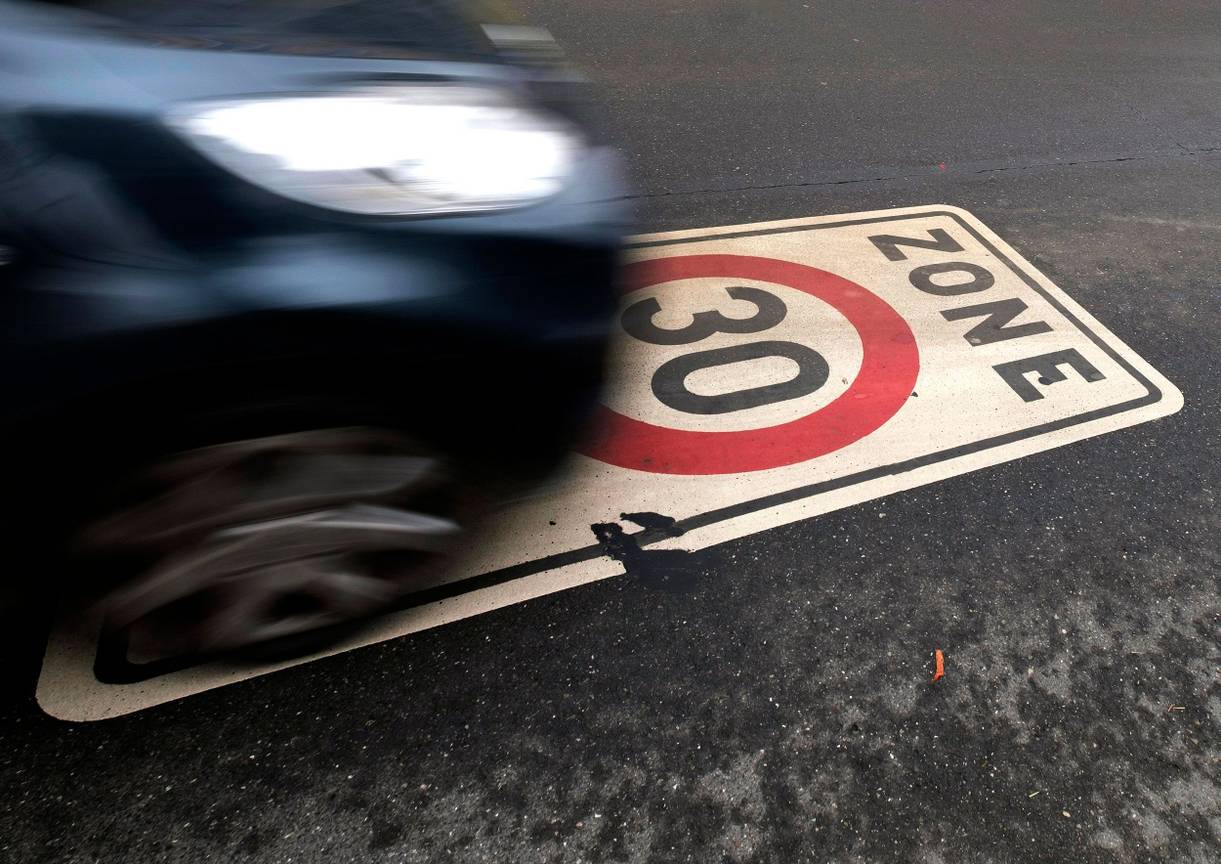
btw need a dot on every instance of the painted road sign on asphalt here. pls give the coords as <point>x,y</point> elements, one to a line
<point>764,374</point>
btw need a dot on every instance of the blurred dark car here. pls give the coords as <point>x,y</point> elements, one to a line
<point>291,293</point>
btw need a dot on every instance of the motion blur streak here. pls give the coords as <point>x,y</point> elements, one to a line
<point>298,290</point>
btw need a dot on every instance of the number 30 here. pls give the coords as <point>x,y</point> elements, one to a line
<point>670,380</point>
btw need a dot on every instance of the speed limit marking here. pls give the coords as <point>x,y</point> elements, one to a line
<point>882,386</point>
<point>763,374</point>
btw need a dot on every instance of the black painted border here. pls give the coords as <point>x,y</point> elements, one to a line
<point>111,665</point>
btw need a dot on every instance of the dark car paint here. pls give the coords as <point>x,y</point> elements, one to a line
<point>145,282</point>
<point>138,262</point>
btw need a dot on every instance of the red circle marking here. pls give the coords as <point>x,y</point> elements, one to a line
<point>884,383</point>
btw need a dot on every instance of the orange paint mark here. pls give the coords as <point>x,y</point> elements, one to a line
<point>939,671</point>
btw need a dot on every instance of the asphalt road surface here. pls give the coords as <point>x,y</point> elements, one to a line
<point>775,704</point>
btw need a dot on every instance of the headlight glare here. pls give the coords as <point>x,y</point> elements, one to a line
<point>388,150</point>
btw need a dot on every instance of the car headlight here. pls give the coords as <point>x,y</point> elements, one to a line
<point>388,149</point>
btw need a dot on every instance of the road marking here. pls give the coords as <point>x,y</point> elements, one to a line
<point>766,373</point>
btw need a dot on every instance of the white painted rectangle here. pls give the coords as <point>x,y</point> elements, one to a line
<point>756,460</point>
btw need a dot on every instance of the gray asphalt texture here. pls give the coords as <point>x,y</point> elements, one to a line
<point>778,707</point>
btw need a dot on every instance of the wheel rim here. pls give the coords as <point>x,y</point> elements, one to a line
<point>267,539</point>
